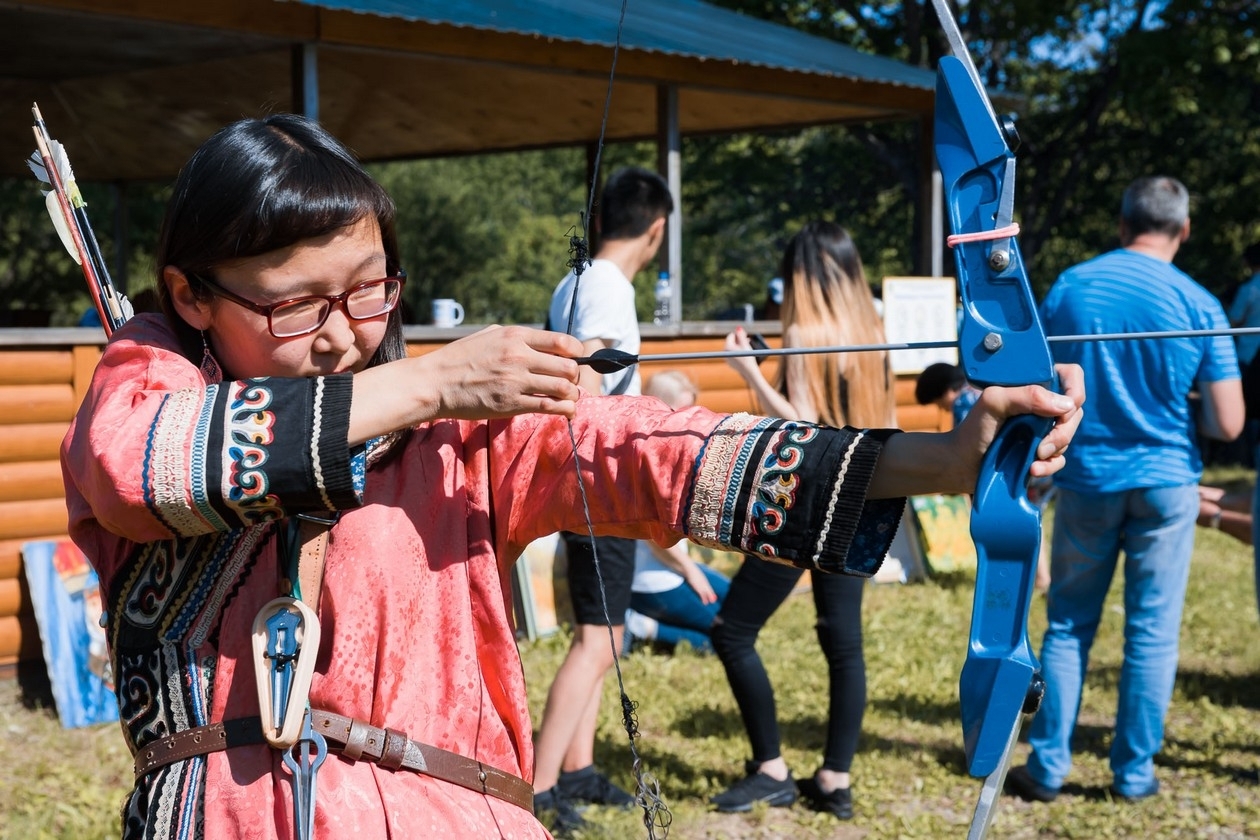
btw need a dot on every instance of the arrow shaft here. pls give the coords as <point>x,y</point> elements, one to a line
<point>925,345</point>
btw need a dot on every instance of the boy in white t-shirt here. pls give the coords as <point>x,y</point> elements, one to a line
<point>632,212</point>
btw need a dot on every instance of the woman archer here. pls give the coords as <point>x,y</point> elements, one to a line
<point>269,418</point>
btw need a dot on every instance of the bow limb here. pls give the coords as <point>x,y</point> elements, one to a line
<point>1001,342</point>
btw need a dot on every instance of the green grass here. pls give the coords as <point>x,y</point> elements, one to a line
<point>909,780</point>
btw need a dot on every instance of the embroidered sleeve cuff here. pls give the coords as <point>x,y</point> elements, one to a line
<point>331,467</point>
<point>794,493</point>
<point>260,449</point>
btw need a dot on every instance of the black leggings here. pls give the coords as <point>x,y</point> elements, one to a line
<point>756,592</point>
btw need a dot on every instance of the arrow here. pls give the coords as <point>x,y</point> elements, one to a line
<point>609,360</point>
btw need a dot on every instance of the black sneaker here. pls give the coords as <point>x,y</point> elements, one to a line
<point>1021,783</point>
<point>839,802</point>
<point>589,785</point>
<point>557,813</point>
<point>753,788</point>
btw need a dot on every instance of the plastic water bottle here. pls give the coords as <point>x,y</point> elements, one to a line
<point>660,314</point>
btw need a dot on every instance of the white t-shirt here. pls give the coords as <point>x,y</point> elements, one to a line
<point>651,575</point>
<point>605,310</point>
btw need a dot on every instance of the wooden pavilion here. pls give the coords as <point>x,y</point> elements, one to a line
<point>133,86</point>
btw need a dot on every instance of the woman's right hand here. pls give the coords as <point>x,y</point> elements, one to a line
<point>505,371</point>
<point>495,372</point>
<point>745,366</point>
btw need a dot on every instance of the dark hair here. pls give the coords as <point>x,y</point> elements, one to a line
<point>259,185</point>
<point>633,198</point>
<point>1156,204</point>
<point>935,380</point>
<point>1251,255</point>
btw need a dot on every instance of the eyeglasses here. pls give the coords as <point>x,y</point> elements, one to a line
<point>302,315</point>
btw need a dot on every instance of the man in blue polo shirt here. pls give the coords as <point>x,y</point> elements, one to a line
<point>1130,483</point>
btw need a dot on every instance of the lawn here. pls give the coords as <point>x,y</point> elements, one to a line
<point>909,780</point>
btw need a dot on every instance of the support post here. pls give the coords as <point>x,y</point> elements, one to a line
<point>669,164</point>
<point>931,209</point>
<point>305,78</point>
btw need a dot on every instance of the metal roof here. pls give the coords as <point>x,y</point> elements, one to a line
<point>133,88</point>
<point>672,27</point>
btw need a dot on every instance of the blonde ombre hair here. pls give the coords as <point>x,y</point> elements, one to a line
<point>827,301</point>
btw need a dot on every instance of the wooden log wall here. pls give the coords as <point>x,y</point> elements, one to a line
<point>40,389</point>
<point>42,384</point>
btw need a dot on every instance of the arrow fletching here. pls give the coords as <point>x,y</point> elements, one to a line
<point>62,226</point>
<point>36,164</point>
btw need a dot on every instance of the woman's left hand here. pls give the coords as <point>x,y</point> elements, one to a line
<point>931,462</point>
<point>996,405</point>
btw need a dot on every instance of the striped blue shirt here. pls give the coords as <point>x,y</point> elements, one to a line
<point>1139,425</point>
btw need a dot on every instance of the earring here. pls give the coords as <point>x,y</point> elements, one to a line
<point>209,365</point>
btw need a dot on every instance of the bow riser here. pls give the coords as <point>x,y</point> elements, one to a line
<point>1001,342</point>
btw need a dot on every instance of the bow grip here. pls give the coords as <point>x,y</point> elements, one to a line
<point>1006,527</point>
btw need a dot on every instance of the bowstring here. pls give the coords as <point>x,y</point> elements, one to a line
<point>656,813</point>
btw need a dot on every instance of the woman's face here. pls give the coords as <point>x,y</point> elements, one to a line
<point>327,265</point>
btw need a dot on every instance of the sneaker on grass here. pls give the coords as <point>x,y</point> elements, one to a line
<point>557,813</point>
<point>838,802</point>
<point>753,788</point>
<point>591,786</point>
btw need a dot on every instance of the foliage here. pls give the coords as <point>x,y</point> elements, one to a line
<point>490,231</point>
<point>909,780</point>
<point>41,284</point>
<point>1106,91</point>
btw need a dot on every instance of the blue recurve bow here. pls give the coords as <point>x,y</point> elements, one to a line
<point>1001,342</point>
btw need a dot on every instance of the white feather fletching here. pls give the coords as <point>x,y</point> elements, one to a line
<point>59,222</point>
<point>62,161</point>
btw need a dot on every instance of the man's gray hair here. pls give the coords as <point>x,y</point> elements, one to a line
<point>1156,204</point>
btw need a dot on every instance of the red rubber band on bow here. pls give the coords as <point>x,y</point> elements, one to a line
<point>982,236</point>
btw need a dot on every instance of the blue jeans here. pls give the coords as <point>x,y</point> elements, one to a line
<point>1255,527</point>
<point>682,616</point>
<point>1155,529</point>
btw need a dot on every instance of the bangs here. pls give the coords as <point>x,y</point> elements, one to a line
<point>310,196</point>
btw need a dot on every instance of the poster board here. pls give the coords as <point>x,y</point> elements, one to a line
<point>920,309</point>
<point>540,588</point>
<point>66,597</point>
<point>945,529</point>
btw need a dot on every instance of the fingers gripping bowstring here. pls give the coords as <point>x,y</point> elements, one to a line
<point>656,814</point>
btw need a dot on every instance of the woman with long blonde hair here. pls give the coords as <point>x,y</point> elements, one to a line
<point>826,302</point>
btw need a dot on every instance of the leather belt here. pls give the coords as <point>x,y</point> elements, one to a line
<point>353,739</point>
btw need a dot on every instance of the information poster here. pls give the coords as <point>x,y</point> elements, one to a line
<point>67,601</point>
<point>919,309</point>
<point>540,588</point>
<point>945,527</point>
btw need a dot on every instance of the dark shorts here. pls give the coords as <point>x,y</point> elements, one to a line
<point>616,567</point>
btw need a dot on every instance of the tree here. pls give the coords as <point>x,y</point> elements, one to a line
<point>1106,92</point>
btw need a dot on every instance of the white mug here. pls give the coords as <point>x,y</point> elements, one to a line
<point>447,312</point>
